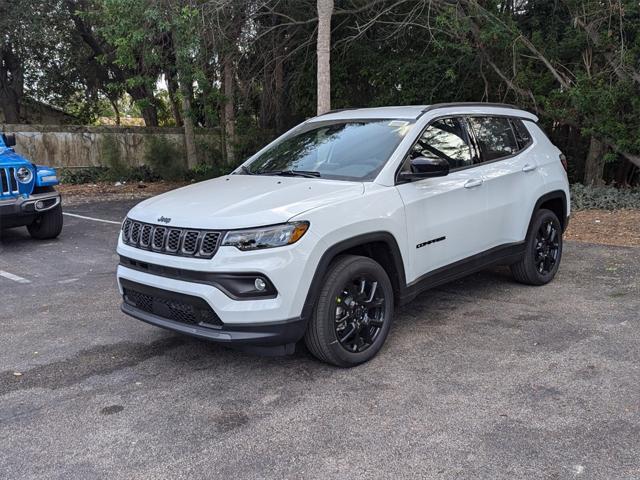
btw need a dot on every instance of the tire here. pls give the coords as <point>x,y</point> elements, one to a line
<point>543,250</point>
<point>368,315</point>
<point>48,225</point>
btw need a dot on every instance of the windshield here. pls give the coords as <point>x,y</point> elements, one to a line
<point>341,150</point>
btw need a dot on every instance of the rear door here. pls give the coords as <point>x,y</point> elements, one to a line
<point>509,169</point>
<point>446,216</point>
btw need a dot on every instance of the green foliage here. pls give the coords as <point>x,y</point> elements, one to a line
<point>205,172</point>
<point>165,158</point>
<point>77,176</point>
<point>574,62</point>
<point>606,198</point>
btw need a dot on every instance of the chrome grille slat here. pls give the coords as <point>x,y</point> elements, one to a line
<point>126,229</point>
<point>145,235</point>
<point>184,242</point>
<point>190,242</point>
<point>173,240</point>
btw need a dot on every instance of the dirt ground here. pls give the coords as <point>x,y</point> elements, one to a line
<point>108,191</point>
<point>619,227</point>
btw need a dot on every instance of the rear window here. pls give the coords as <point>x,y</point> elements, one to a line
<point>495,137</point>
<point>522,134</point>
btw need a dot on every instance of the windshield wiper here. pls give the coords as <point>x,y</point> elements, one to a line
<point>295,173</point>
<point>245,170</point>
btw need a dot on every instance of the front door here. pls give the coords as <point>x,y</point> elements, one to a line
<point>446,216</point>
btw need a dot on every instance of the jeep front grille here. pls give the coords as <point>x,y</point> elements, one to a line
<point>185,242</point>
<point>8,181</point>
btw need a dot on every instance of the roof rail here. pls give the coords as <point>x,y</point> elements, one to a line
<point>337,110</point>
<point>469,104</point>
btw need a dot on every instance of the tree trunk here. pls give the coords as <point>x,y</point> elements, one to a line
<point>624,174</point>
<point>11,84</point>
<point>116,110</point>
<point>229,111</point>
<point>594,164</point>
<point>172,89</point>
<point>149,115</point>
<point>10,107</point>
<point>325,10</point>
<point>187,121</point>
<point>279,93</point>
<point>146,102</point>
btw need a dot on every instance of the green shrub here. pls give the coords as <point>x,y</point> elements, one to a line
<point>165,159</point>
<point>205,172</point>
<point>76,176</point>
<point>606,198</point>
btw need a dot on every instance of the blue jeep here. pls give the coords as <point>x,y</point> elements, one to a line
<point>27,194</point>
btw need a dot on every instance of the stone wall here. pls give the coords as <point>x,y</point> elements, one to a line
<point>81,146</point>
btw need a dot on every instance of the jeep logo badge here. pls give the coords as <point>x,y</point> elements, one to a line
<point>164,219</point>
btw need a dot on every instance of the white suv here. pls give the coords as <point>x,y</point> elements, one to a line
<point>324,231</point>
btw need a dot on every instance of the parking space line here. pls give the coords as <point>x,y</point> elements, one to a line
<point>91,218</point>
<point>13,277</point>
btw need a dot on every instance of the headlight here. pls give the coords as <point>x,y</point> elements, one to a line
<point>24,175</point>
<point>266,237</point>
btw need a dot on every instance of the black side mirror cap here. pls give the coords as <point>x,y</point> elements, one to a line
<point>423,167</point>
<point>9,139</point>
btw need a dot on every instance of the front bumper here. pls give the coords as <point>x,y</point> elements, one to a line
<point>19,206</point>
<point>193,316</point>
<point>268,324</point>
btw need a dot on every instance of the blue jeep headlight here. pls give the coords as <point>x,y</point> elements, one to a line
<point>24,175</point>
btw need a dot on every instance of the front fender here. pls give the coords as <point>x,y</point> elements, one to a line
<point>46,176</point>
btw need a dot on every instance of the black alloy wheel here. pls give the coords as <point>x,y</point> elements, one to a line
<point>547,247</point>
<point>543,250</point>
<point>353,312</point>
<point>360,313</point>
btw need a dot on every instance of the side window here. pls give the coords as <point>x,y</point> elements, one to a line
<point>495,137</point>
<point>446,138</point>
<point>522,134</point>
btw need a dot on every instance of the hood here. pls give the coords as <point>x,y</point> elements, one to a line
<point>242,201</point>
<point>9,158</point>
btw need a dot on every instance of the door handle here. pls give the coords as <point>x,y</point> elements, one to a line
<point>528,167</point>
<point>472,183</point>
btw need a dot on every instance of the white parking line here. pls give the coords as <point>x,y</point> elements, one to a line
<point>13,277</point>
<point>91,218</point>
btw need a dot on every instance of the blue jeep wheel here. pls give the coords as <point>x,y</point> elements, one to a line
<point>47,225</point>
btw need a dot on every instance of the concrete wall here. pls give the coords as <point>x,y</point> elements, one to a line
<point>81,146</point>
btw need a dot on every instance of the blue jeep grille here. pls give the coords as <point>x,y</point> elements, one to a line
<point>172,241</point>
<point>8,182</point>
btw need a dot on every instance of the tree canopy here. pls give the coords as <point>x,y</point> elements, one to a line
<point>250,67</point>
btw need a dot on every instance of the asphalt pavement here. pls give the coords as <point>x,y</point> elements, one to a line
<point>480,378</point>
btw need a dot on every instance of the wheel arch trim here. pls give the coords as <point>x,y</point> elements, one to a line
<point>342,246</point>
<point>553,195</point>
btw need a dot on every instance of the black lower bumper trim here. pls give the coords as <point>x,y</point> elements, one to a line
<point>277,337</point>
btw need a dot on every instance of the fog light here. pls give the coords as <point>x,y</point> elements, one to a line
<point>260,284</point>
<point>39,205</point>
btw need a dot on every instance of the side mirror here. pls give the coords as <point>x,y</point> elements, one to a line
<point>9,140</point>
<point>423,167</point>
